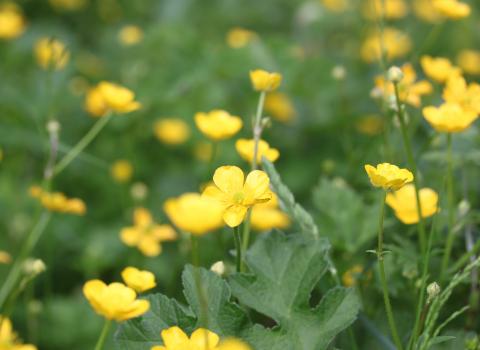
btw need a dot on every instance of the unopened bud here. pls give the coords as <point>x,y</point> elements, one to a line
<point>433,289</point>
<point>376,93</point>
<point>34,267</point>
<point>266,122</point>
<point>339,72</point>
<point>218,268</point>
<point>139,191</point>
<point>395,74</point>
<point>53,127</point>
<point>463,208</point>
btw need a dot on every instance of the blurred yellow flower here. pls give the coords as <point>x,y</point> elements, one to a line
<point>218,124</point>
<point>130,35</point>
<point>51,53</point>
<point>194,214</point>
<point>9,339</point>
<point>370,125</point>
<point>389,9</point>
<point>121,171</point>
<point>449,117</point>
<point>239,37</point>
<point>58,202</point>
<point>353,275</point>
<point>5,258</point>
<point>246,148</point>
<point>115,301</point>
<point>109,97</point>
<point>438,69</point>
<point>68,5</point>
<point>404,203</point>
<point>203,151</point>
<point>425,10</point>
<point>280,107</point>
<point>176,339</point>
<point>146,235</point>
<point>237,195</point>
<point>138,280</point>
<point>265,81</point>
<point>267,216</point>
<point>469,61</point>
<point>12,22</point>
<point>336,5</point>
<point>457,91</point>
<point>452,9</point>
<point>171,131</point>
<point>388,176</point>
<point>410,90</point>
<point>395,44</point>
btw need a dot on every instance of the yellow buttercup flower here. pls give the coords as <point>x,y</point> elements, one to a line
<point>389,9</point>
<point>109,97</point>
<point>246,148</point>
<point>146,235</point>
<point>388,176</point>
<point>425,10</point>
<point>469,61</point>
<point>130,35</point>
<point>5,258</point>
<point>176,339</point>
<point>239,37</point>
<point>279,106</point>
<point>439,69</point>
<point>121,171</point>
<point>353,275</point>
<point>171,131</point>
<point>370,125</point>
<point>233,344</point>
<point>138,280</point>
<point>9,339</point>
<point>51,53</point>
<point>404,203</point>
<point>449,117</point>
<point>458,92</point>
<point>452,9</point>
<point>58,202</point>
<point>194,214</point>
<point>237,195</point>
<point>336,5</point>
<point>115,301</point>
<point>395,44</point>
<point>265,81</point>
<point>68,5</point>
<point>218,124</point>
<point>12,22</point>
<point>267,216</point>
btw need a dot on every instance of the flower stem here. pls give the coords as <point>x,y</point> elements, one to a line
<point>238,246</point>
<point>451,214</point>
<point>203,317</point>
<point>82,144</point>
<point>195,255</point>
<point>381,265</point>
<point>257,129</point>
<point>103,335</point>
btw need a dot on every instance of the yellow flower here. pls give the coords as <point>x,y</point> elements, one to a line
<point>58,202</point>
<point>12,22</point>
<point>410,90</point>
<point>267,216</point>
<point>68,5</point>
<point>176,339</point>
<point>233,344</point>
<point>404,203</point>
<point>388,176</point>
<point>236,195</point>
<point>5,258</point>
<point>115,301</point>
<point>425,10</point>
<point>121,170</point>
<point>439,69</point>
<point>370,125</point>
<point>469,61</point>
<point>245,149</point>
<point>395,44</point>
<point>51,53</point>
<point>194,214</point>
<point>336,5</point>
<point>280,107</point>
<point>203,151</point>
<point>218,124</point>
<point>9,339</point>
<point>449,117</point>
<point>146,235</point>
<point>452,9</point>
<point>265,81</point>
<point>130,35</point>
<point>171,131</point>
<point>239,37</point>
<point>138,280</point>
<point>467,96</point>
<point>109,97</point>
<point>352,276</point>
<point>390,9</point>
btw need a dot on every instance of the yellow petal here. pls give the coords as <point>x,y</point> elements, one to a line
<point>234,215</point>
<point>257,187</point>
<point>174,337</point>
<point>203,336</point>
<point>130,236</point>
<point>139,307</point>
<point>164,232</point>
<point>229,179</point>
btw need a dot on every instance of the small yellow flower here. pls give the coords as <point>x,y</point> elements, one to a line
<point>458,92</point>
<point>351,277</point>
<point>388,176</point>
<point>336,5</point>
<point>9,339</point>
<point>469,61</point>
<point>51,53</point>
<point>280,107</point>
<point>176,339</point>
<point>58,202</point>
<point>389,9</point>
<point>146,235</point>
<point>404,203</point>
<point>138,280</point>
<point>115,301</point>
<point>68,5</point>
<point>121,171</point>
<point>194,214</point>
<point>218,124</point>
<point>370,125</point>
<point>239,37</point>
<point>395,44</point>
<point>12,22</point>
<point>130,35</point>
<point>109,97</point>
<point>233,344</point>
<point>265,81</point>
<point>236,195</point>
<point>5,258</point>
<point>425,10</point>
<point>449,117</point>
<point>267,216</point>
<point>246,148</point>
<point>452,9</point>
<point>439,69</point>
<point>171,131</point>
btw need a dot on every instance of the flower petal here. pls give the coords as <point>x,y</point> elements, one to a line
<point>229,179</point>
<point>203,336</point>
<point>256,187</point>
<point>234,215</point>
<point>174,337</point>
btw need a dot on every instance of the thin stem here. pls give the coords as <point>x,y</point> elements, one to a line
<point>257,129</point>
<point>195,255</point>
<point>203,317</point>
<point>82,144</point>
<point>451,213</point>
<point>238,246</point>
<point>246,230</point>
<point>465,257</point>
<point>103,335</point>
<point>381,265</point>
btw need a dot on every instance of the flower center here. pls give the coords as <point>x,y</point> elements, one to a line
<point>238,197</point>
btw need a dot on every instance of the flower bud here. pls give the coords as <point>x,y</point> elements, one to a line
<point>139,191</point>
<point>463,208</point>
<point>339,72</point>
<point>53,127</point>
<point>395,74</point>
<point>218,268</point>
<point>433,289</point>
<point>34,267</point>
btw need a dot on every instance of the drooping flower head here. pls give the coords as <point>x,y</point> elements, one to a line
<point>218,124</point>
<point>138,280</point>
<point>388,176</point>
<point>404,203</point>
<point>246,149</point>
<point>265,81</point>
<point>51,53</point>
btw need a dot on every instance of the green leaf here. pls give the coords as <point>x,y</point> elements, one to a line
<point>284,271</point>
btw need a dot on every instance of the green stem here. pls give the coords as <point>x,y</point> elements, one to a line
<point>195,254</point>
<point>246,230</point>
<point>451,213</point>
<point>257,129</point>
<point>103,335</point>
<point>465,257</point>
<point>203,317</point>
<point>238,246</point>
<point>82,144</point>
<point>383,279</point>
